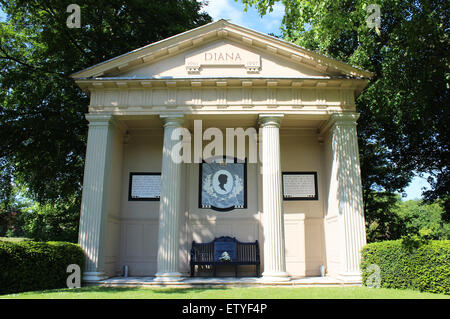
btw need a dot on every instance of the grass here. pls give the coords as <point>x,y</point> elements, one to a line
<point>96,292</point>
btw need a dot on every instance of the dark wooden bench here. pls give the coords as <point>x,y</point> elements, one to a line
<point>204,254</point>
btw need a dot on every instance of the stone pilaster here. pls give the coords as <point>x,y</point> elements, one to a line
<point>169,209</point>
<point>96,192</point>
<point>273,224</point>
<point>347,176</point>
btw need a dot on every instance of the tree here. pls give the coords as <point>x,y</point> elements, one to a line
<point>11,206</point>
<point>6,197</point>
<point>391,218</point>
<point>382,220</point>
<point>58,221</point>
<point>423,220</point>
<point>42,126</point>
<point>403,126</point>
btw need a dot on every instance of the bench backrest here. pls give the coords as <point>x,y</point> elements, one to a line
<point>207,252</point>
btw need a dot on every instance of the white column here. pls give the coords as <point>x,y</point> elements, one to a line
<point>169,209</point>
<point>96,193</point>
<point>349,204</point>
<point>273,224</point>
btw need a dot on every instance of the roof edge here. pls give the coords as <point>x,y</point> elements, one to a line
<point>222,24</point>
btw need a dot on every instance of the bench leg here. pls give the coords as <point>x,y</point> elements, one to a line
<point>192,270</point>
<point>214,270</point>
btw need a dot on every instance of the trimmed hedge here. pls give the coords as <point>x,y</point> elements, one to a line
<point>423,268</point>
<point>29,265</point>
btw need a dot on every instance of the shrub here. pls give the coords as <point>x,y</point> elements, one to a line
<point>423,266</point>
<point>29,265</point>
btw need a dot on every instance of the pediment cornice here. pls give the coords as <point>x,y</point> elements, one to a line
<point>221,30</point>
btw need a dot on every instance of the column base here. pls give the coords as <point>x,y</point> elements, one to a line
<point>94,276</point>
<point>350,278</point>
<point>168,277</point>
<point>275,276</point>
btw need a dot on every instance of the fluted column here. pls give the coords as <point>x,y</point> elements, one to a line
<point>169,209</point>
<point>273,223</point>
<point>95,197</point>
<point>352,235</point>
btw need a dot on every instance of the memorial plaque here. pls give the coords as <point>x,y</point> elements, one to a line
<point>222,185</point>
<point>222,247</point>
<point>144,186</point>
<point>300,186</point>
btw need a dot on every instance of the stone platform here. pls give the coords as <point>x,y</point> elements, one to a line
<point>217,282</point>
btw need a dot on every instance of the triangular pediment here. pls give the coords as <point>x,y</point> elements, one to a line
<point>221,50</point>
<point>224,59</point>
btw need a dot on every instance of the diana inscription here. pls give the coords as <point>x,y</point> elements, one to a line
<point>223,55</point>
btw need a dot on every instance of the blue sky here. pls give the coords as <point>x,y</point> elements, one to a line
<point>234,12</point>
<point>270,23</point>
<point>414,190</point>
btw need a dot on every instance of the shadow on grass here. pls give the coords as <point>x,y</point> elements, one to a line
<point>156,290</point>
<point>183,290</point>
<point>114,290</point>
<point>87,289</point>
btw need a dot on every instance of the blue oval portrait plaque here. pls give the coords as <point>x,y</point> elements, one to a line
<point>223,186</point>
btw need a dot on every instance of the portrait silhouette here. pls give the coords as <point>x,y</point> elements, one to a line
<point>223,179</point>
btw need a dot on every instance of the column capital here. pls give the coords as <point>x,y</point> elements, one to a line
<point>100,119</point>
<point>340,119</point>
<point>105,120</point>
<point>344,118</point>
<point>273,120</point>
<point>172,120</point>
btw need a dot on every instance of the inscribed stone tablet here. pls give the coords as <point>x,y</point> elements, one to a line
<point>145,186</point>
<point>300,185</point>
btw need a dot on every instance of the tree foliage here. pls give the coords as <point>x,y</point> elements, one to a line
<point>423,220</point>
<point>403,128</point>
<point>42,126</point>
<point>390,218</point>
<point>382,220</point>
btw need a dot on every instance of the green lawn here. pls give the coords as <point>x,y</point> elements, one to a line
<point>226,293</point>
